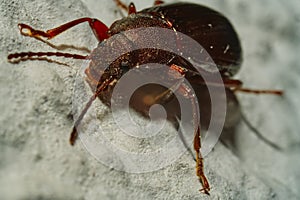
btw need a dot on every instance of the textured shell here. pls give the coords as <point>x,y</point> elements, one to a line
<point>209,28</point>
<point>206,26</point>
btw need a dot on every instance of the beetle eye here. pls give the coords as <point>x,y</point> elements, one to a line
<point>124,66</point>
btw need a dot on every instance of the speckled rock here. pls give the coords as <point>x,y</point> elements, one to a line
<point>37,162</point>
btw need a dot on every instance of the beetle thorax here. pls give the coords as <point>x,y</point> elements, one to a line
<point>137,20</point>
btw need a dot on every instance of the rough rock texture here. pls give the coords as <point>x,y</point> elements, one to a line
<point>36,161</point>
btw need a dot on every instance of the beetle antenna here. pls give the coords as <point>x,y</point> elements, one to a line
<point>16,57</point>
<point>258,133</point>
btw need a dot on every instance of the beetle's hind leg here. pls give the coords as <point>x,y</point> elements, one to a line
<point>122,5</point>
<point>158,2</point>
<point>129,9</point>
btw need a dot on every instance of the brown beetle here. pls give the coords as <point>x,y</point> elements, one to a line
<point>208,27</point>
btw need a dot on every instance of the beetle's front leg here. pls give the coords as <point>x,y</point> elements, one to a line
<point>98,28</point>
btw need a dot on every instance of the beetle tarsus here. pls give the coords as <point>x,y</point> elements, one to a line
<point>205,191</point>
<point>199,164</point>
<point>73,136</point>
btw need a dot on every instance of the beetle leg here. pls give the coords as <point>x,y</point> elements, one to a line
<point>122,5</point>
<point>176,72</point>
<point>129,9</point>
<point>253,91</point>
<point>100,88</point>
<point>199,164</point>
<point>236,86</point>
<point>185,91</point>
<point>158,2</point>
<point>17,60</point>
<point>99,29</point>
<point>166,96</point>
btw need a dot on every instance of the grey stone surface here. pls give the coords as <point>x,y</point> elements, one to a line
<point>37,162</point>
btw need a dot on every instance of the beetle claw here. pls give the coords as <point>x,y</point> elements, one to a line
<point>25,30</point>
<point>205,191</point>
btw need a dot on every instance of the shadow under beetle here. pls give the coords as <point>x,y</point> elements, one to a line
<point>209,28</point>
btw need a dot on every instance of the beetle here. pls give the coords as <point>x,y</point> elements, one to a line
<point>208,27</point>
